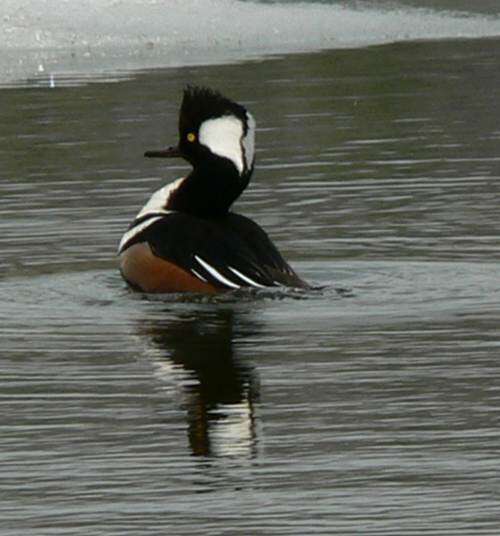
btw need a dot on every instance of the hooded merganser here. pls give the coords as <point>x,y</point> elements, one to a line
<point>185,239</point>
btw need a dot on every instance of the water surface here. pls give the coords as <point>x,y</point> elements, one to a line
<point>372,410</point>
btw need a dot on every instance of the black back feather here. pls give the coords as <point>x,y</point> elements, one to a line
<point>231,242</point>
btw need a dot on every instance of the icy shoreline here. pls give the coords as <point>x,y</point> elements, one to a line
<point>92,36</point>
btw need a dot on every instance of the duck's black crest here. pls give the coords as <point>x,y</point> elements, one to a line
<point>202,103</point>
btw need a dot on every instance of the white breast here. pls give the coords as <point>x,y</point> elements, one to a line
<point>132,233</point>
<point>158,202</point>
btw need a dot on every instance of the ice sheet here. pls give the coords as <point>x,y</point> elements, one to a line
<point>89,36</point>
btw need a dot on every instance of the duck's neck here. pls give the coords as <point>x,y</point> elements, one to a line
<point>209,190</point>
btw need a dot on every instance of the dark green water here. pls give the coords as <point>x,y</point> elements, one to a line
<point>369,412</point>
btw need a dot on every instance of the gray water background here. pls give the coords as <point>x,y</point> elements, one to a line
<point>369,407</point>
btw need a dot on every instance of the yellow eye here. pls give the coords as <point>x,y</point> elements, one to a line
<point>191,137</point>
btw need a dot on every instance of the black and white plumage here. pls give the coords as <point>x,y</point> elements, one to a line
<point>185,238</point>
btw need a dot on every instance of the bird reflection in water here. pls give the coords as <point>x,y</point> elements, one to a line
<point>218,388</point>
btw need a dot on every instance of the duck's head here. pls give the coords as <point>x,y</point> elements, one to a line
<point>213,131</point>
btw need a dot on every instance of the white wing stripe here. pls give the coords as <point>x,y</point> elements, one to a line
<point>245,278</point>
<point>199,276</point>
<point>211,270</point>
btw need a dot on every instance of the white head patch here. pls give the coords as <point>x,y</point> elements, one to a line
<point>249,141</point>
<point>224,137</point>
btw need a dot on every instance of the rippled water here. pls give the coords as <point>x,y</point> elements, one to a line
<point>369,407</point>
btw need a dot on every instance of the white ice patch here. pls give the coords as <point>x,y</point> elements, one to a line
<point>158,202</point>
<point>114,35</point>
<point>223,137</point>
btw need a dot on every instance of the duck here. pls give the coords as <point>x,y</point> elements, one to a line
<point>186,238</point>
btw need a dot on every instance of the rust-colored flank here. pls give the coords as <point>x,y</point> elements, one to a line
<point>142,269</point>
